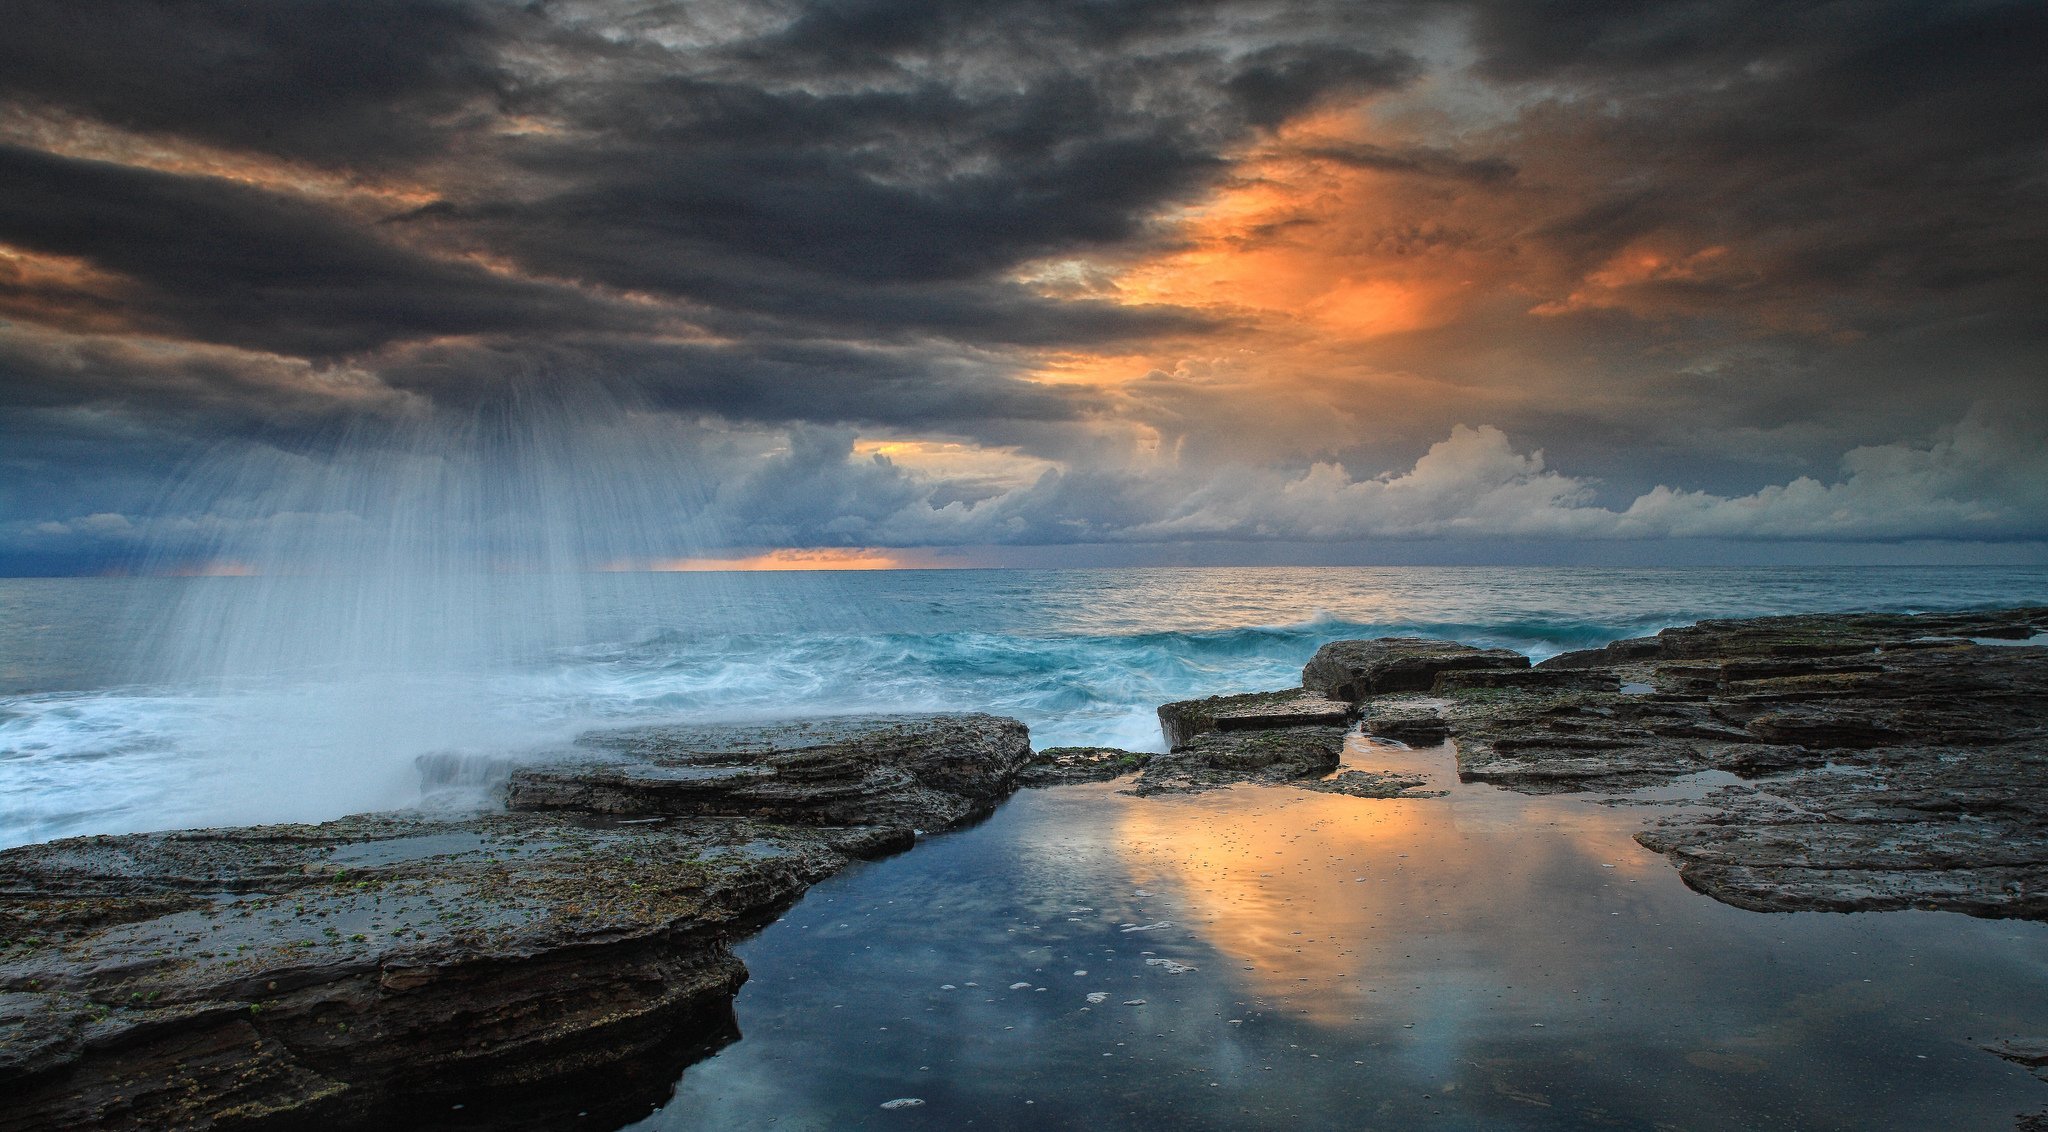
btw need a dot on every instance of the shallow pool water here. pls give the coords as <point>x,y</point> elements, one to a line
<point>1272,957</point>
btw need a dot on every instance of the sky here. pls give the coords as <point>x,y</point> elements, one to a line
<point>907,282</point>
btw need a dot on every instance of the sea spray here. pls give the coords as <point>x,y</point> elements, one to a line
<point>381,593</point>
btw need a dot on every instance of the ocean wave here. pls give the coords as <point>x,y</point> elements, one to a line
<point>1083,658</point>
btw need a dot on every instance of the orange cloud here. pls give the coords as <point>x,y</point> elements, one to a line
<point>1334,245</point>
<point>1303,240</point>
<point>59,290</point>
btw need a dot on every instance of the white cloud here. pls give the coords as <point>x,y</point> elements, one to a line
<point>1985,478</point>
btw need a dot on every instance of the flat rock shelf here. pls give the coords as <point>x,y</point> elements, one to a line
<point>407,970</point>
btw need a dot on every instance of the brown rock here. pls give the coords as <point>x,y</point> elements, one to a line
<point>1060,766</point>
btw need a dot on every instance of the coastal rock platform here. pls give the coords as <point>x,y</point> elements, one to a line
<point>413,970</point>
<point>1879,761</point>
<point>1869,761</point>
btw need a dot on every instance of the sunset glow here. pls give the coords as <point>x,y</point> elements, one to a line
<point>786,559</point>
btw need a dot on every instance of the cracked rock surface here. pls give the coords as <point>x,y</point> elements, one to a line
<point>1890,761</point>
<point>382,969</point>
<point>1882,760</point>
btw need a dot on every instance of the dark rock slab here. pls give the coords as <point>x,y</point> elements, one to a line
<point>1418,725</point>
<point>1227,758</point>
<point>505,970</point>
<point>1061,766</point>
<point>1354,670</point>
<point>1812,636</point>
<point>926,772</point>
<point>1252,711</point>
<point>1529,680</point>
<point>1896,761</point>
<point>1904,827</point>
<point>375,969</point>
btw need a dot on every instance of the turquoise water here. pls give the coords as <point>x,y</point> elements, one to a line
<point>99,734</point>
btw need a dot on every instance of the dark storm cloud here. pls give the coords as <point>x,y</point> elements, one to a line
<point>887,204</point>
<point>819,213</point>
<point>1882,151</point>
<point>771,382</point>
<point>1427,160</point>
<point>218,261</point>
<point>876,35</point>
<point>111,373</point>
<point>1277,83</point>
<point>359,81</point>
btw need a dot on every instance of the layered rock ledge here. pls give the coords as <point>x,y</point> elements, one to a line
<point>1296,736</point>
<point>1877,761</point>
<point>407,970</point>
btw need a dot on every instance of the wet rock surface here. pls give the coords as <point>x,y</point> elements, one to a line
<point>1061,766</point>
<point>1355,670</point>
<point>406,970</point>
<point>927,772</point>
<point>1373,784</point>
<point>1892,761</point>
<point>1254,711</point>
<point>1226,758</point>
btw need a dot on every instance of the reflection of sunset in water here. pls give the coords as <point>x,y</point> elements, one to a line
<point>1318,899</point>
<point>1273,957</point>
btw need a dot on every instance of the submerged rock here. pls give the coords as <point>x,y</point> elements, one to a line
<point>506,970</point>
<point>1373,784</point>
<point>1354,670</point>
<point>1059,766</point>
<point>2030,1052</point>
<point>1226,758</point>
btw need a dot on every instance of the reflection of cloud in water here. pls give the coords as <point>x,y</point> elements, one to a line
<point>1497,976</point>
<point>1318,899</point>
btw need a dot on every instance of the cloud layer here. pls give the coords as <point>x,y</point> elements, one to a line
<point>903,273</point>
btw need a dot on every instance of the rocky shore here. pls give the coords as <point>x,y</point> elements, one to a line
<point>475,970</point>
<point>1878,761</point>
<point>407,970</point>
